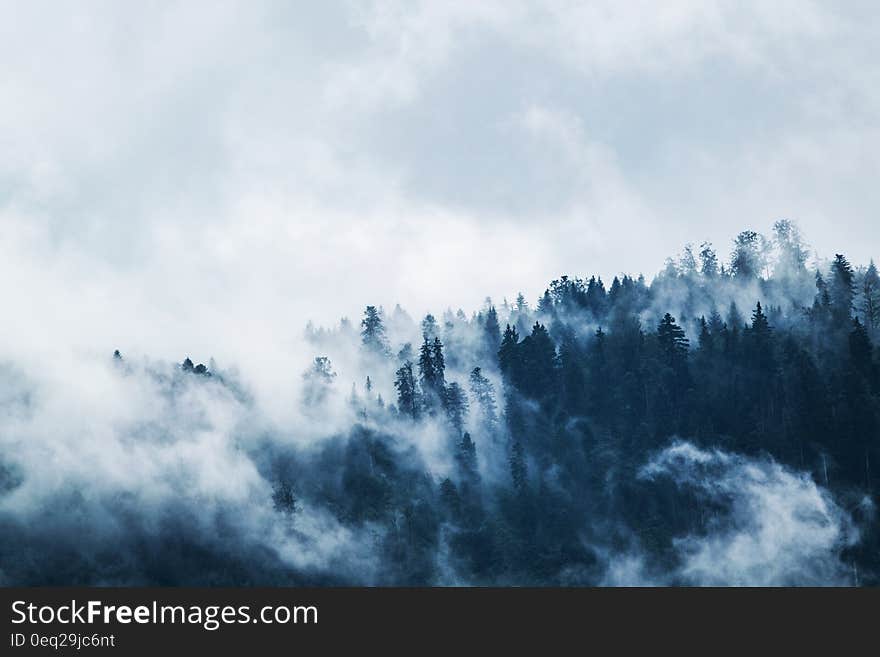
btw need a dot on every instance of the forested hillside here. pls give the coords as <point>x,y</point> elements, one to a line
<point>719,424</point>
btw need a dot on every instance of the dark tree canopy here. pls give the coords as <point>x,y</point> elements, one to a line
<point>530,455</point>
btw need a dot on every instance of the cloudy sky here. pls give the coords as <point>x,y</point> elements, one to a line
<point>189,177</point>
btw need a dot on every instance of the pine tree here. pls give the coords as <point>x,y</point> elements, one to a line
<point>860,424</point>
<point>431,377</point>
<point>427,374</point>
<point>841,290</point>
<point>716,324</point>
<point>871,299</point>
<point>759,341</point>
<point>536,373</point>
<point>615,292</point>
<point>491,333</point>
<point>484,393</point>
<point>466,458</point>
<point>708,261</point>
<point>439,364</point>
<point>860,350</point>
<point>545,303</point>
<point>456,404</point>
<point>821,310</point>
<point>705,337</point>
<point>507,350</point>
<point>572,374</point>
<point>596,297</point>
<point>373,332</point>
<point>673,343</point>
<point>598,378</point>
<point>746,261</point>
<point>407,394</point>
<point>429,327</point>
<point>760,325</point>
<point>735,321</point>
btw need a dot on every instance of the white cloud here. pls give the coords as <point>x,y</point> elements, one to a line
<point>175,177</point>
<point>775,528</point>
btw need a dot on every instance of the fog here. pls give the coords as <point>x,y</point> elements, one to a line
<point>776,527</point>
<point>233,183</point>
<point>130,469</point>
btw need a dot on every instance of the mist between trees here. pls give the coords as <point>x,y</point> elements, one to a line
<point>719,425</point>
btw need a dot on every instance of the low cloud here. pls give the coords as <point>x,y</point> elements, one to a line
<point>769,526</point>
